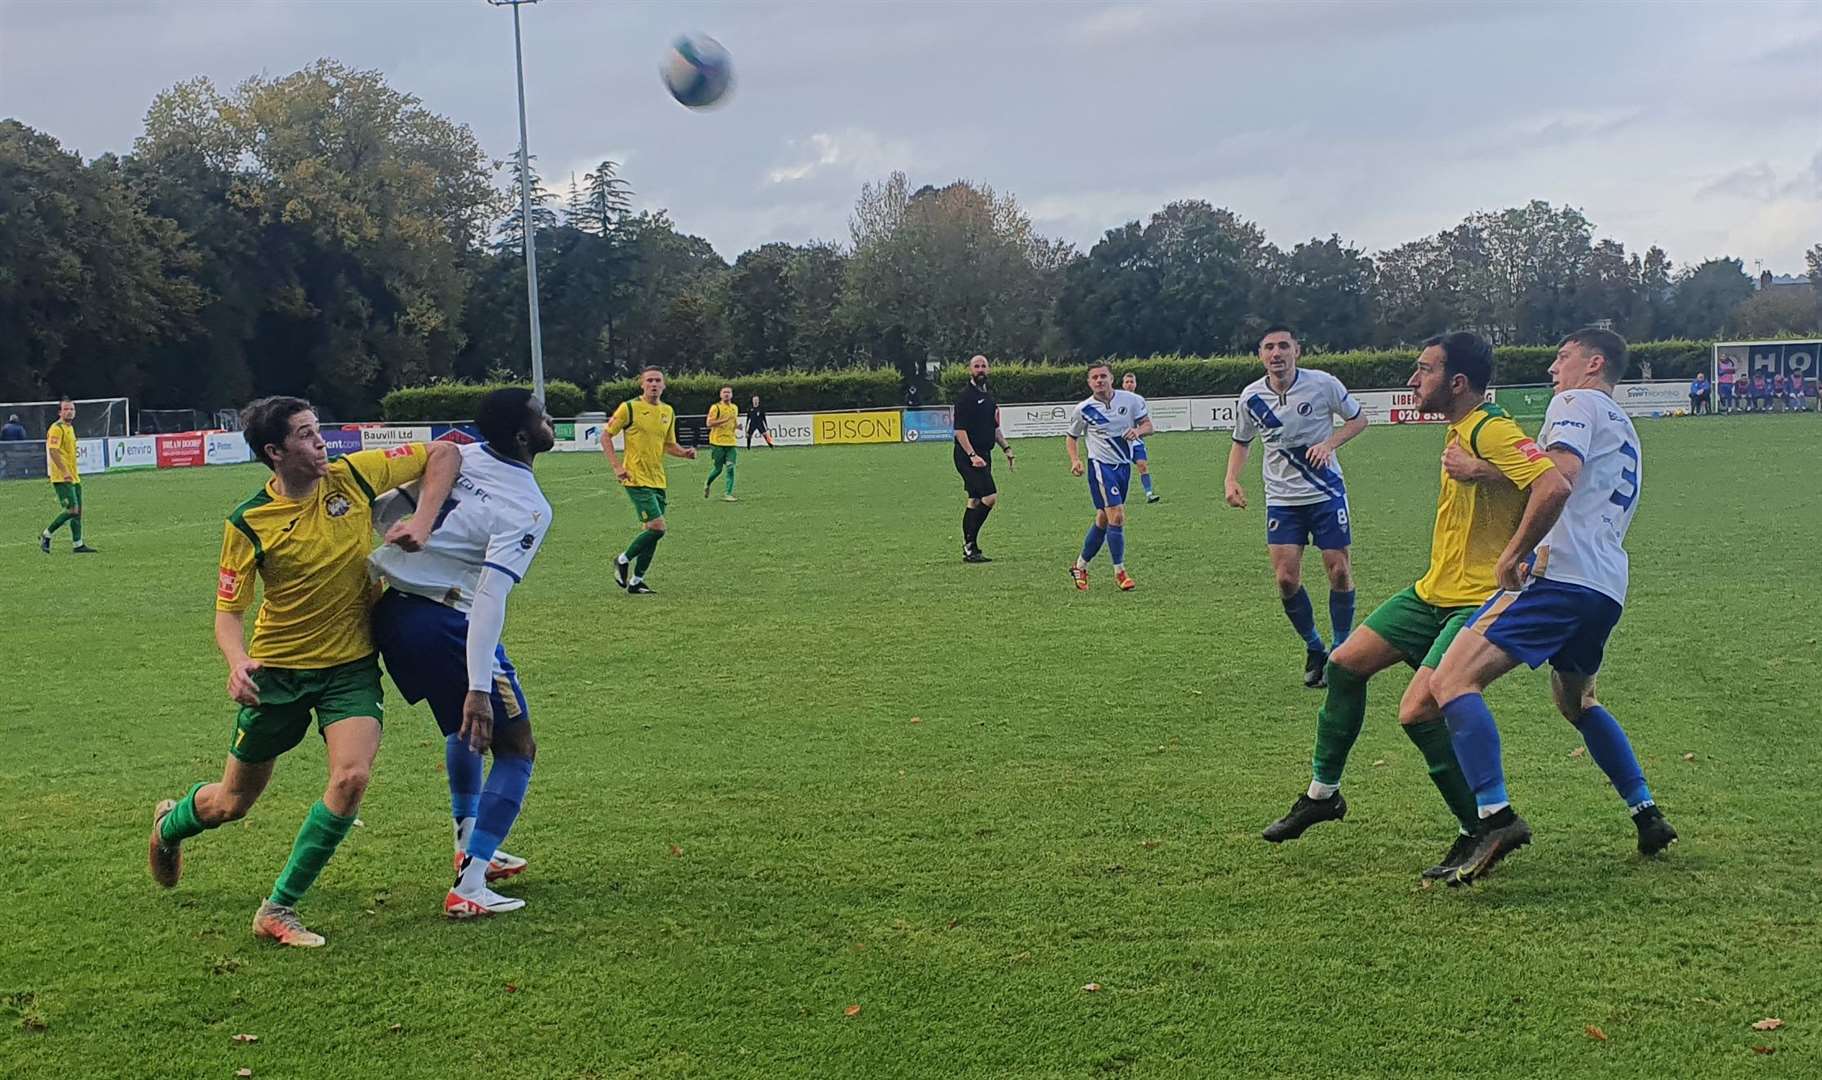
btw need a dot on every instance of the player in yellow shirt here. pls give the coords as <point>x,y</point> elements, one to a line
<point>306,535</point>
<point>1490,470</point>
<point>724,423</point>
<point>60,464</point>
<point>651,432</point>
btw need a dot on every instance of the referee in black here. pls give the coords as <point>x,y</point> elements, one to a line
<point>977,428</point>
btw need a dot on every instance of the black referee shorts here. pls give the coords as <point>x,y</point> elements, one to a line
<point>977,482</point>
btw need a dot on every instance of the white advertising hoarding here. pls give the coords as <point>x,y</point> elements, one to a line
<point>227,448</point>
<point>136,452</point>
<point>91,456</point>
<point>385,438</point>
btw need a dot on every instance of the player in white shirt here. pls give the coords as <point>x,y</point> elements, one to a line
<point>1112,421</point>
<point>1141,457</point>
<point>438,629</point>
<point>1562,584</point>
<point>1292,410</point>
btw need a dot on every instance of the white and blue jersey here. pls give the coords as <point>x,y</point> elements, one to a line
<point>1580,571</point>
<point>438,626</point>
<point>1289,424</point>
<point>1105,424</point>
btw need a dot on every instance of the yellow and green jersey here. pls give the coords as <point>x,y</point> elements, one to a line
<point>60,453</point>
<point>1475,522</point>
<point>649,429</point>
<point>311,555</point>
<point>724,435</point>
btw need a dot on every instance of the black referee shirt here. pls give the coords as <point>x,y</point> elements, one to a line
<point>977,414</point>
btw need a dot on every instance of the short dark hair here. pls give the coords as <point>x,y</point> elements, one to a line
<point>650,367</point>
<point>1276,328</point>
<point>501,415</point>
<point>1098,365</point>
<point>1465,353</point>
<point>268,420</point>
<point>1610,345</point>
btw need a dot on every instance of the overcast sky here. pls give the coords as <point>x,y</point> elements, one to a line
<point>1697,126</point>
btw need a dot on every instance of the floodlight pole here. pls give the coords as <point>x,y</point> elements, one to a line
<point>525,220</point>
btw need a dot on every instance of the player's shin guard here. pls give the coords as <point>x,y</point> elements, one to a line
<point>1091,544</point>
<point>1431,737</point>
<point>182,822</point>
<point>1608,746</point>
<point>639,546</point>
<point>730,487</point>
<point>1298,610</point>
<point>1145,482</point>
<point>1476,741</point>
<point>1116,544</point>
<point>1341,615</point>
<point>501,799</point>
<point>1338,724</point>
<point>465,768</point>
<point>322,831</point>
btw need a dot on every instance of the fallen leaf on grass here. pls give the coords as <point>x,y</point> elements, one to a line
<point>359,824</point>
<point>953,923</point>
<point>1091,987</point>
<point>1770,1023</point>
<point>852,1010</point>
<point>1149,845</point>
<point>1596,1033</point>
<point>396,1028</point>
<point>246,1038</point>
<point>1580,751</point>
<point>917,719</point>
<point>243,1072</point>
<point>676,852</point>
<point>1764,1049</point>
<point>1380,764</point>
<point>511,988</point>
<point>32,1022</point>
<point>1688,757</point>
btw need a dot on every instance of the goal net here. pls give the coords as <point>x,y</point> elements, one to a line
<point>96,418</point>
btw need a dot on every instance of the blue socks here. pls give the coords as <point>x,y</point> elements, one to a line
<point>1091,544</point>
<point>1476,741</point>
<point>1608,747</point>
<point>1341,615</point>
<point>1145,482</point>
<point>1116,544</point>
<point>1303,619</point>
<point>507,782</point>
<point>464,768</point>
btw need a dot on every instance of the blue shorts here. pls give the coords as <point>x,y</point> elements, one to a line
<point>1138,450</point>
<point>1107,484</point>
<point>1550,620</point>
<point>1326,522</point>
<point>425,646</point>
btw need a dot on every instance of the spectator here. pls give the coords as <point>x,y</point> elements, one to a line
<point>12,430</point>
<point>1761,393</point>
<point>1698,394</point>
<point>1801,390</point>
<point>1645,370</point>
<point>1723,401</point>
<point>1780,391</point>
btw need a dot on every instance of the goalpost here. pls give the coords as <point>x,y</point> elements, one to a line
<point>96,418</point>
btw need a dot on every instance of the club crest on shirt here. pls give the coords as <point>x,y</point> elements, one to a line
<point>526,541</point>
<point>337,505</point>
<point>1304,408</point>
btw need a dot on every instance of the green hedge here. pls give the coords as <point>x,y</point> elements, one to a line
<point>458,401</point>
<point>779,391</point>
<point>1188,376</point>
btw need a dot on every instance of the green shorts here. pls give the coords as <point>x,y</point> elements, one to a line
<point>69,496</point>
<point>287,696</point>
<point>1422,632</point>
<point>647,501</point>
<point>722,455</point>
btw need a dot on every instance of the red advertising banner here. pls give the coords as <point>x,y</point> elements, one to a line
<point>182,451</point>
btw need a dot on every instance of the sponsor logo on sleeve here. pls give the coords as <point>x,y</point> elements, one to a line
<point>228,587</point>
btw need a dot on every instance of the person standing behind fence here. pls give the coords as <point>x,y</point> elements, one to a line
<point>756,424</point>
<point>60,463</point>
<point>12,430</point>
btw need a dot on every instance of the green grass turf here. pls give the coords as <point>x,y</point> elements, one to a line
<point>831,766</point>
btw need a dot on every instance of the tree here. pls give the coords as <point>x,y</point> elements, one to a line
<point>89,281</point>
<point>1775,312</point>
<point>945,273</point>
<point>1325,290</point>
<point>509,232</point>
<point>815,277</point>
<point>1706,295</point>
<point>760,306</point>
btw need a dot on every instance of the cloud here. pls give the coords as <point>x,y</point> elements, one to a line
<point>1759,182</point>
<point>851,152</point>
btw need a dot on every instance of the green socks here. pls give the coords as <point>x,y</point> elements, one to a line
<point>182,823</point>
<point>316,841</point>
<point>644,561</point>
<point>730,478</point>
<point>58,523</point>
<point>640,545</point>
<point>1432,739</point>
<point>1338,724</point>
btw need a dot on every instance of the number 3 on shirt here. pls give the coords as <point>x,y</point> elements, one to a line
<point>1628,488</point>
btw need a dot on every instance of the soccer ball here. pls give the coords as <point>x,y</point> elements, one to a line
<point>697,71</point>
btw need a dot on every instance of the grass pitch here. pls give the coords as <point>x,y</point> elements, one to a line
<point>834,804</point>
